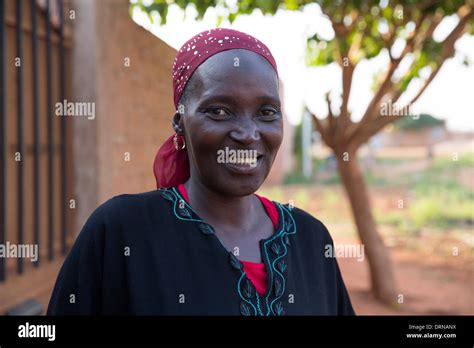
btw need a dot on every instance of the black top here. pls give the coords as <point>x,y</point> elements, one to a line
<point>151,254</point>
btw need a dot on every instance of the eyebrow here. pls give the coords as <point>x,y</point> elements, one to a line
<point>231,99</point>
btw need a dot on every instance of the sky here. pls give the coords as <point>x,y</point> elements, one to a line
<point>448,97</point>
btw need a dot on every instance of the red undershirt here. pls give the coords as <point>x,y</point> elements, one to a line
<point>255,271</point>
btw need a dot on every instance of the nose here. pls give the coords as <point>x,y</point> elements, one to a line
<point>246,131</point>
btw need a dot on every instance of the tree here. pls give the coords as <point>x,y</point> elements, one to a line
<point>363,30</point>
<point>421,122</point>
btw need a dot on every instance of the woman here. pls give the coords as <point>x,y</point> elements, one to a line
<point>204,243</point>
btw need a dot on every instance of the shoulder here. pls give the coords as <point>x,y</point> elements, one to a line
<point>308,226</point>
<point>306,218</point>
<point>127,205</point>
<point>123,213</point>
<point>128,200</point>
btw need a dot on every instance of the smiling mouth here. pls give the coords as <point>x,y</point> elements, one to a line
<point>246,167</point>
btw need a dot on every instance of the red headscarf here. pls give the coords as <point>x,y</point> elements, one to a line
<point>171,166</point>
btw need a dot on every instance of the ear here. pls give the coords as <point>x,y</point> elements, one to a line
<point>178,123</point>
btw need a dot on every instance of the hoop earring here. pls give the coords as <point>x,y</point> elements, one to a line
<point>176,144</point>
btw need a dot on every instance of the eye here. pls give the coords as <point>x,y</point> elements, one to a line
<point>270,113</point>
<point>217,112</point>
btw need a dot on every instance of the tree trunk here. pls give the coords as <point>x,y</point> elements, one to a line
<point>381,272</point>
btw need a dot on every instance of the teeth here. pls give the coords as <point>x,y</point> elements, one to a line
<point>247,161</point>
<point>238,157</point>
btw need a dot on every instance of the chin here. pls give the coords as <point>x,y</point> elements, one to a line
<point>241,185</point>
<point>244,187</point>
<point>235,185</point>
<point>236,182</point>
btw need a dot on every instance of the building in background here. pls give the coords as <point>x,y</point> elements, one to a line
<point>83,53</point>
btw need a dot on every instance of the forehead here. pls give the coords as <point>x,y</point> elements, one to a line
<point>237,72</point>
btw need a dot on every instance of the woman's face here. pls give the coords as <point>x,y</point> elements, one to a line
<point>233,104</point>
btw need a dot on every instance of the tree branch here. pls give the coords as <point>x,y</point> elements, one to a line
<point>323,130</point>
<point>344,116</point>
<point>394,63</point>
<point>331,119</point>
<point>448,51</point>
<point>416,39</point>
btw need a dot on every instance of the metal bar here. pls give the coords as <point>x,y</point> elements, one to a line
<point>50,141</point>
<point>36,129</point>
<point>62,97</point>
<point>10,23</point>
<point>3,134</point>
<point>20,133</point>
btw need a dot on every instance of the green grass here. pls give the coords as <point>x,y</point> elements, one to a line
<point>442,172</point>
<point>438,199</point>
<point>297,178</point>
<point>430,211</point>
<point>319,166</point>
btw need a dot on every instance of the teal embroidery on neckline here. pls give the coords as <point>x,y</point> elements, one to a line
<point>263,306</point>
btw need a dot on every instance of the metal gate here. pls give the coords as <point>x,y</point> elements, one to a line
<point>35,143</point>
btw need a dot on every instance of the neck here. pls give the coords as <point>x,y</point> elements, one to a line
<point>221,211</point>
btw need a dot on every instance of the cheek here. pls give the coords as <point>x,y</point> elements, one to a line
<point>205,140</point>
<point>273,136</point>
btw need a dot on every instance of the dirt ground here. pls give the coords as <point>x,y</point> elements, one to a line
<point>431,280</point>
<point>428,288</point>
